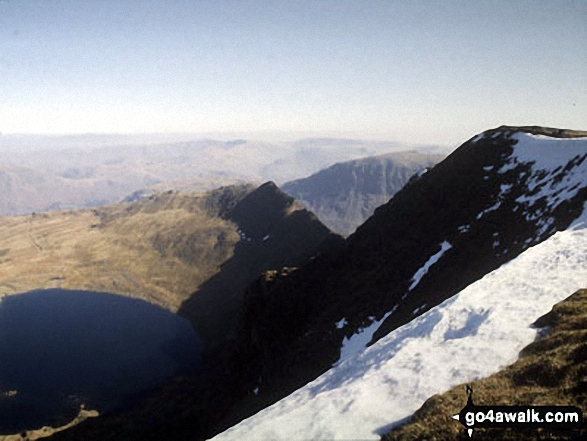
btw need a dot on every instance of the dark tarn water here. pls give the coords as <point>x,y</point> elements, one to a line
<point>60,349</point>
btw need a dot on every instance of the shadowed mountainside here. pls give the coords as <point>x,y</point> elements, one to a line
<point>344,195</point>
<point>276,232</point>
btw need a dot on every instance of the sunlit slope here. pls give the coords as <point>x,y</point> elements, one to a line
<point>159,249</point>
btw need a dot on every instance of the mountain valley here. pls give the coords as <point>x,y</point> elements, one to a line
<point>329,318</point>
<point>496,199</point>
<point>293,220</point>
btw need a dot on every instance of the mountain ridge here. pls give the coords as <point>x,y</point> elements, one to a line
<point>345,194</point>
<point>488,200</point>
<point>160,248</point>
<point>454,202</point>
<point>468,336</point>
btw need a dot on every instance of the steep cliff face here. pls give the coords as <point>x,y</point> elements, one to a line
<point>344,195</point>
<point>498,194</point>
<point>275,232</point>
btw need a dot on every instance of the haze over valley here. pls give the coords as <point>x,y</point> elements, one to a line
<point>37,175</point>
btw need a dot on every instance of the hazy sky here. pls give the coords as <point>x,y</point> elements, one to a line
<point>416,71</point>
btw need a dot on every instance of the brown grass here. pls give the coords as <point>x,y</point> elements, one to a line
<point>550,371</point>
<point>159,250</point>
<point>47,431</point>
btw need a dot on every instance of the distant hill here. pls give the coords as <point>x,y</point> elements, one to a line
<point>344,195</point>
<point>47,173</point>
<point>25,190</point>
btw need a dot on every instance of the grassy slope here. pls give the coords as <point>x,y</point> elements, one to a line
<point>550,371</point>
<point>160,249</point>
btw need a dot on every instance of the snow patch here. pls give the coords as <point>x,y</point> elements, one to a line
<point>433,259</point>
<point>455,342</point>
<point>359,341</point>
<point>505,189</point>
<point>266,237</point>
<point>464,228</point>
<point>422,172</point>
<point>419,309</point>
<point>558,172</point>
<point>341,324</point>
<point>545,153</point>
<point>489,210</point>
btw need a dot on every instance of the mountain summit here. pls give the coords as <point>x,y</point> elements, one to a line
<point>344,195</point>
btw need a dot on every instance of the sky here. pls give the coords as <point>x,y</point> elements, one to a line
<point>414,71</point>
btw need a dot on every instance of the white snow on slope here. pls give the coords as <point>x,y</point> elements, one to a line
<point>340,324</point>
<point>548,178</point>
<point>489,210</point>
<point>471,335</point>
<point>545,152</point>
<point>359,341</point>
<point>433,259</point>
<point>549,156</point>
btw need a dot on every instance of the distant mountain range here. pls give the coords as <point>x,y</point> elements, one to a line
<point>345,194</point>
<point>28,190</point>
<point>417,300</point>
<point>45,173</point>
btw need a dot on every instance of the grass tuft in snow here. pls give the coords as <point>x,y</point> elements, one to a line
<point>550,371</point>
